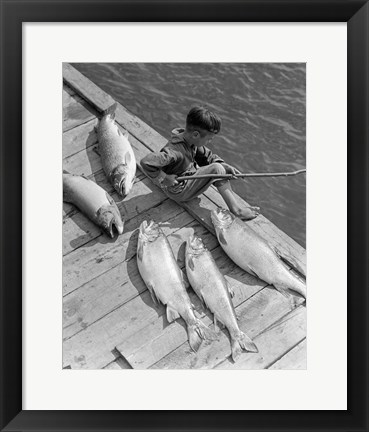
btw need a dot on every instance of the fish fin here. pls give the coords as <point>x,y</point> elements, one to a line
<point>197,332</point>
<point>186,282</point>
<point>172,314</point>
<point>190,263</point>
<point>222,240</point>
<point>123,132</point>
<point>216,328</point>
<point>110,199</point>
<point>127,158</point>
<point>152,293</point>
<point>140,251</point>
<point>242,342</point>
<point>290,261</point>
<point>230,290</point>
<point>284,291</point>
<point>111,110</point>
<point>96,150</point>
<point>65,171</point>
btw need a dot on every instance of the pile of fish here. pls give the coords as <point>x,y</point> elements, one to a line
<point>246,248</point>
<point>119,165</point>
<point>243,245</point>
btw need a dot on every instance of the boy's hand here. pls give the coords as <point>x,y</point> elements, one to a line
<point>169,180</point>
<point>230,169</point>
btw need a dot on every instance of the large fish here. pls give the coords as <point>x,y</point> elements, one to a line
<point>93,201</point>
<point>253,254</point>
<point>117,157</point>
<point>211,286</point>
<point>163,278</point>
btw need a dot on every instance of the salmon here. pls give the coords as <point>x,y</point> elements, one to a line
<point>163,278</point>
<point>253,254</point>
<point>117,157</point>
<point>211,286</point>
<point>93,201</point>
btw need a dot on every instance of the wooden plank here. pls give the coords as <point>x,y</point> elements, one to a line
<point>93,347</point>
<point>80,138</point>
<point>255,315</point>
<point>79,230</point>
<point>292,252</point>
<point>102,253</point>
<point>151,343</point>
<point>122,282</point>
<point>274,342</point>
<point>293,360</point>
<point>93,94</point>
<point>118,364</point>
<point>75,111</point>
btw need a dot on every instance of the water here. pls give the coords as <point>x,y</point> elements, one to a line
<point>262,107</point>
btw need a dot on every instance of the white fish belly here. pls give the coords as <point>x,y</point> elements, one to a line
<point>85,194</point>
<point>160,271</point>
<point>211,286</point>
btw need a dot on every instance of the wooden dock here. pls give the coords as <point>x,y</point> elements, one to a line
<point>109,318</point>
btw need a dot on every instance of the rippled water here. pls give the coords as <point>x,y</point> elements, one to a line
<point>262,106</point>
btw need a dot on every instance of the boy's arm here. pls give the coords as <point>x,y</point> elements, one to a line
<point>154,162</point>
<point>205,156</point>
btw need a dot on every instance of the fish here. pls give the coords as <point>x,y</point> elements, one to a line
<point>117,157</point>
<point>163,278</point>
<point>211,286</point>
<point>253,254</point>
<point>93,201</point>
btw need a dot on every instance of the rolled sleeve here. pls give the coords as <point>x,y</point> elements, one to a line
<point>154,163</point>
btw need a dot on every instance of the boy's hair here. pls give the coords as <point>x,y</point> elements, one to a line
<point>200,118</point>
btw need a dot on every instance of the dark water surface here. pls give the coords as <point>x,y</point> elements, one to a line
<point>262,107</point>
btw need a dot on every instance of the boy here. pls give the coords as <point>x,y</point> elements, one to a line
<point>185,154</point>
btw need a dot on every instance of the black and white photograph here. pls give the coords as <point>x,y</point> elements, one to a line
<point>184,216</point>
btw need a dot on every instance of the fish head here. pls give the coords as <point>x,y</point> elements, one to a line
<point>110,221</point>
<point>122,179</point>
<point>222,218</point>
<point>195,245</point>
<point>149,231</point>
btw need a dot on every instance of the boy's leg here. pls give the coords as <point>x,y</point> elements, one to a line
<point>240,210</point>
<point>196,187</point>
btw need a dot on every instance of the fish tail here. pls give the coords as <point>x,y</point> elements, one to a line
<point>197,332</point>
<point>110,111</point>
<point>242,342</point>
<point>294,285</point>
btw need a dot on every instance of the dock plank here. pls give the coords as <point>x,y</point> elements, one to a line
<point>80,138</point>
<point>295,359</point>
<point>274,342</point>
<point>103,253</point>
<point>122,282</point>
<point>153,342</point>
<point>118,364</point>
<point>255,315</point>
<point>75,110</point>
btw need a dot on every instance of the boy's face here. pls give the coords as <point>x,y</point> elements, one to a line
<point>202,139</point>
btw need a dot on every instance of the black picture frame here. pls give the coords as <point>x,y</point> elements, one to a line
<point>13,14</point>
